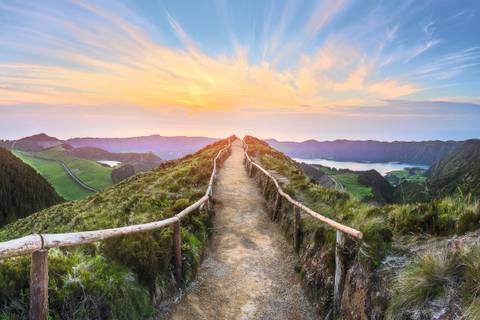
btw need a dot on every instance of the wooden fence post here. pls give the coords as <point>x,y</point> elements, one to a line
<point>177,249</point>
<point>276,206</point>
<point>339,274</point>
<point>39,285</point>
<point>265,186</point>
<point>296,230</point>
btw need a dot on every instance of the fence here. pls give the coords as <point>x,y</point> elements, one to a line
<point>298,208</point>
<point>38,244</point>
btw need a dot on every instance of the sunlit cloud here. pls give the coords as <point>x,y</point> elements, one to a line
<point>133,69</point>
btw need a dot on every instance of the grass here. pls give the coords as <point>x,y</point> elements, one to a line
<point>55,174</point>
<point>430,277</point>
<point>94,281</point>
<point>436,280</point>
<point>410,174</point>
<point>349,181</point>
<point>351,184</point>
<point>89,171</point>
<point>379,224</point>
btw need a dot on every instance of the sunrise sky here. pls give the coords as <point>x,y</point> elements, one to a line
<point>385,70</point>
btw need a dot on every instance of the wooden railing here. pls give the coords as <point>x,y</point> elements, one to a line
<point>38,244</point>
<point>298,208</point>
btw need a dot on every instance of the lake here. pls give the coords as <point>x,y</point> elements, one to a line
<point>109,163</point>
<point>381,167</point>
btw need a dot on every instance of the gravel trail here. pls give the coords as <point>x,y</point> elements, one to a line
<point>248,272</point>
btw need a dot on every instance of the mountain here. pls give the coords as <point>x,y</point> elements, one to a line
<point>139,161</point>
<point>165,147</point>
<point>22,190</point>
<point>35,143</point>
<point>459,170</point>
<point>424,152</point>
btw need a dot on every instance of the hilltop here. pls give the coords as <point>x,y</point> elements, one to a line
<point>35,143</point>
<point>22,190</point>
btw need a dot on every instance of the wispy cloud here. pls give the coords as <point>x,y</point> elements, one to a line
<point>133,69</point>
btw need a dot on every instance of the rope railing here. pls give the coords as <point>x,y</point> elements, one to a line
<point>38,244</point>
<point>298,208</point>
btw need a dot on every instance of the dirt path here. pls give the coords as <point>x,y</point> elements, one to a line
<point>249,270</point>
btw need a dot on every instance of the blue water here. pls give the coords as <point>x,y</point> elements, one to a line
<point>381,167</point>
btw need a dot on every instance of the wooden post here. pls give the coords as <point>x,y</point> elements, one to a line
<point>265,185</point>
<point>276,206</point>
<point>250,167</point>
<point>339,274</point>
<point>296,229</point>
<point>39,285</point>
<point>177,249</point>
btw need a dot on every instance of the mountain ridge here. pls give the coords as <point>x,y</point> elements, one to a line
<point>419,152</point>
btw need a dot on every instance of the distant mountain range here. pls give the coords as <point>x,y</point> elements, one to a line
<point>167,148</point>
<point>456,171</point>
<point>423,152</point>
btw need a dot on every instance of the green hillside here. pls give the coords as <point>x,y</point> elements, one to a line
<point>48,164</point>
<point>89,171</point>
<point>379,223</point>
<point>54,173</point>
<point>416,175</point>
<point>459,171</point>
<point>389,232</point>
<point>22,190</point>
<point>120,278</point>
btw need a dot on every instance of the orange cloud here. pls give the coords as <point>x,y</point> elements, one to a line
<point>134,69</point>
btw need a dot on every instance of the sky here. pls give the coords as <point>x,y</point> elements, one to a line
<point>287,69</point>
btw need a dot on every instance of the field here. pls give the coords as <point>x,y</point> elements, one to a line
<point>56,176</point>
<point>410,174</point>
<point>349,181</point>
<point>90,172</point>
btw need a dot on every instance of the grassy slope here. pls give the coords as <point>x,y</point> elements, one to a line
<point>90,172</point>
<point>452,278</point>
<point>349,180</point>
<point>378,223</point>
<point>143,260</point>
<point>56,175</point>
<point>396,177</point>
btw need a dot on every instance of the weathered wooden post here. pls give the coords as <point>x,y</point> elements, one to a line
<point>296,229</point>
<point>39,285</point>
<point>265,186</point>
<point>250,167</point>
<point>177,249</point>
<point>276,206</point>
<point>339,274</point>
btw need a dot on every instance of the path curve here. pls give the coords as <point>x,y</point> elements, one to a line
<point>249,269</point>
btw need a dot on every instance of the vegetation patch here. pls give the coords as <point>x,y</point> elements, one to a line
<point>113,271</point>
<point>54,173</point>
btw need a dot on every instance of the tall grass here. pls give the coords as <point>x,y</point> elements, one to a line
<point>452,215</point>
